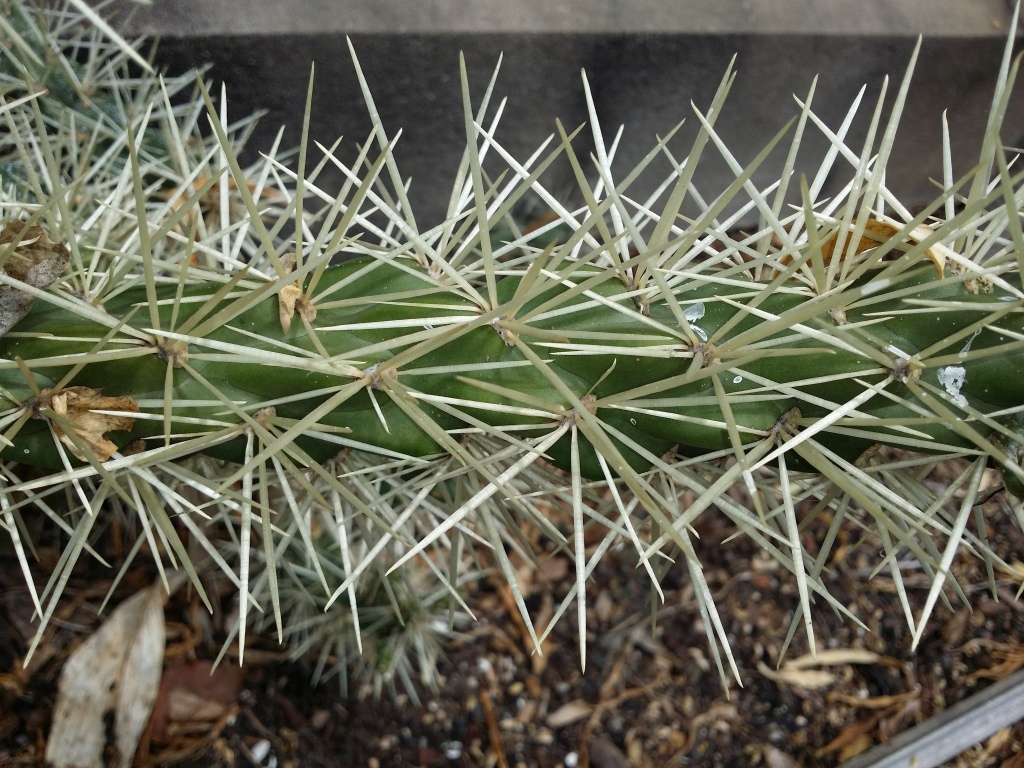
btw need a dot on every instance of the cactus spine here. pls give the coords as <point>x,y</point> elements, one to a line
<point>371,395</point>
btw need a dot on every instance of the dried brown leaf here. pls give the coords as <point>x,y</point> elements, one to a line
<point>1011,662</point>
<point>195,692</point>
<point>861,744</point>
<point>36,261</point>
<point>833,657</point>
<point>873,702</point>
<point>570,713</point>
<point>875,233</point>
<point>290,299</point>
<point>853,739</point>
<point>286,299</point>
<point>802,678</point>
<point>898,718</point>
<point>79,405</point>
<point>116,670</point>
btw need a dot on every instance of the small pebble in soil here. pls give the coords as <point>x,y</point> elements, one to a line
<point>320,718</point>
<point>260,750</point>
<point>452,749</point>
<point>571,760</point>
<point>616,724</point>
<point>511,725</point>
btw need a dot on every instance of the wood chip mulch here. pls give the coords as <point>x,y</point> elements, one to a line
<point>650,696</point>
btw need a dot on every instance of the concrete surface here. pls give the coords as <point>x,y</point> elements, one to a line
<point>960,18</point>
<point>645,80</point>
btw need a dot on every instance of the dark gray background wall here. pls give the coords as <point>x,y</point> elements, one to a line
<point>646,61</point>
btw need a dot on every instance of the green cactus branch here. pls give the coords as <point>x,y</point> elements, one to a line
<point>370,407</point>
<point>645,373</point>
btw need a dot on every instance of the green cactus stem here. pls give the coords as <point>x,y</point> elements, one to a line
<point>398,377</point>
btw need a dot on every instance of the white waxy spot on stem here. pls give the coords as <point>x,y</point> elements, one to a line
<point>693,313</point>
<point>952,377</point>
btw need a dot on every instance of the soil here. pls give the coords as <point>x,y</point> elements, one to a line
<point>651,696</point>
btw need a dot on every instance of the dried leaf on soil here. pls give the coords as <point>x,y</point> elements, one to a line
<point>833,657</point>
<point>802,678</point>
<point>570,713</point>
<point>116,670</point>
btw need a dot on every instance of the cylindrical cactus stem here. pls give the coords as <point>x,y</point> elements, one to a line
<point>351,375</point>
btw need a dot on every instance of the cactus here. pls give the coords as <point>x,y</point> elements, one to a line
<point>357,399</point>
